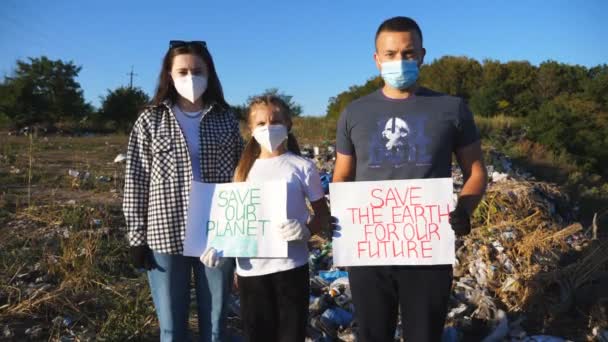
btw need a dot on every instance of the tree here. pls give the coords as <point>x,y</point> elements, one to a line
<point>295,108</point>
<point>240,111</point>
<point>338,103</point>
<point>596,86</point>
<point>555,78</point>
<point>570,123</point>
<point>43,91</point>
<point>458,76</point>
<point>122,105</point>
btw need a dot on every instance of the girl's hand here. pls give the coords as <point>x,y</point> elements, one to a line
<point>210,258</point>
<point>293,230</point>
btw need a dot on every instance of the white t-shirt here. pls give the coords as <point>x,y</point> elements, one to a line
<point>303,182</point>
<point>190,125</point>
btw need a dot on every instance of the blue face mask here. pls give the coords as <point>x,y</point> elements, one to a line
<point>400,74</point>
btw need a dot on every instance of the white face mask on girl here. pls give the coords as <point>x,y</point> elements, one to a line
<point>190,87</point>
<point>270,137</point>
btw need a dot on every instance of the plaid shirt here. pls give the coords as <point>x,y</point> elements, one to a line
<point>159,173</point>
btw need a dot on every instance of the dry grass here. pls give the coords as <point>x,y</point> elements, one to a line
<point>538,273</point>
<point>498,124</point>
<point>64,265</point>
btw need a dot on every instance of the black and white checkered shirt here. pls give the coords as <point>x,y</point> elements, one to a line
<point>159,173</point>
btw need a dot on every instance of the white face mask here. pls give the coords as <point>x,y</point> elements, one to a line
<point>270,137</point>
<point>190,87</point>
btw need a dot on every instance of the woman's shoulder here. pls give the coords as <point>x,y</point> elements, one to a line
<point>151,111</point>
<point>223,111</point>
<point>151,114</point>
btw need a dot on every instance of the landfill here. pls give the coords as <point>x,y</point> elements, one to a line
<point>527,271</point>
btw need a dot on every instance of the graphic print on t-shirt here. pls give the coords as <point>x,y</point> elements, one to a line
<point>399,142</point>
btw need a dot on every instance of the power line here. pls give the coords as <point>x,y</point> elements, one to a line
<point>131,74</point>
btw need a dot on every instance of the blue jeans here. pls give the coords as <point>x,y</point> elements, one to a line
<point>170,286</point>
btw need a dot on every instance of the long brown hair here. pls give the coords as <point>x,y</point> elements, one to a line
<point>252,149</point>
<point>166,89</point>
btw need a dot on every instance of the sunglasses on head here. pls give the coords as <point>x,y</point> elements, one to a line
<point>179,43</point>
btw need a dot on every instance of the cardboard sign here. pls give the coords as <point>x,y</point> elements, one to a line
<point>396,222</point>
<point>236,219</point>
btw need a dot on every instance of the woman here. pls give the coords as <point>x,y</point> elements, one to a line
<point>188,133</point>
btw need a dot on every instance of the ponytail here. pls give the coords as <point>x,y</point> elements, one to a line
<point>248,157</point>
<point>292,144</point>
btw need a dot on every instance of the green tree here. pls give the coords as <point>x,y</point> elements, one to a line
<point>240,111</point>
<point>338,103</point>
<point>296,108</point>
<point>570,123</point>
<point>122,106</point>
<point>458,76</point>
<point>555,78</point>
<point>595,86</point>
<point>43,91</point>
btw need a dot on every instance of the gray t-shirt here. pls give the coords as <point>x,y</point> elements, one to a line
<point>405,139</point>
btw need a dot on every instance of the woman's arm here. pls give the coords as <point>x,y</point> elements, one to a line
<point>137,185</point>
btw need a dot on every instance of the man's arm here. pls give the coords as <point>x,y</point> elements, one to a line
<point>470,159</point>
<point>344,170</point>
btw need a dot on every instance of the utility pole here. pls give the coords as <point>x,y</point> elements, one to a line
<point>131,74</point>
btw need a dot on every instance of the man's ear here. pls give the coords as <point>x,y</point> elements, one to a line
<point>422,56</point>
<point>377,60</point>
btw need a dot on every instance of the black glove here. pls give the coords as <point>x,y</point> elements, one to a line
<point>141,256</point>
<point>460,221</point>
<point>334,225</point>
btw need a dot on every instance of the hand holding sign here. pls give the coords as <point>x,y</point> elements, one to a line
<point>236,219</point>
<point>401,222</point>
<point>210,258</point>
<point>293,230</point>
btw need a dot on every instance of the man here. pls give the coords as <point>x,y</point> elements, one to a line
<point>404,131</point>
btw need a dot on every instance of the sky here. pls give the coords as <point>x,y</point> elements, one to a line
<point>312,50</point>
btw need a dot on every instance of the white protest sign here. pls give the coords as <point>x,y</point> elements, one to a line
<point>396,222</point>
<point>236,219</point>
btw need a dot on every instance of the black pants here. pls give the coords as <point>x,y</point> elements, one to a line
<point>422,292</point>
<point>274,307</point>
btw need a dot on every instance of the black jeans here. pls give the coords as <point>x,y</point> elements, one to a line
<point>274,307</point>
<point>422,292</point>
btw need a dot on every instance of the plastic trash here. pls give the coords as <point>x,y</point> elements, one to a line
<point>502,328</point>
<point>499,177</point>
<point>318,256</point>
<point>544,338</point>
<point>450,334</point>
<point>73,173</point>
<point>330,276</point>
<point>7,332</point>
<point>325,180</point>
<point>120,158</point>
<point>318,305</point>
<point>337,317</point>
<point>342,300</point>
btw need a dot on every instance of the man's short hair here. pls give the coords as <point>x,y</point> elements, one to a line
<point>399,24</point>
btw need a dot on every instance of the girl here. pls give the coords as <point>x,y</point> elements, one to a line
<point>188,133</point>
<point>274,292</point>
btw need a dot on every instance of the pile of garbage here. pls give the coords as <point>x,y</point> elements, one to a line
<point>527,272</point>
<point>525,267</point>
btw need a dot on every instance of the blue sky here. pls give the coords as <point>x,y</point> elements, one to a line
<point>309,49</point>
